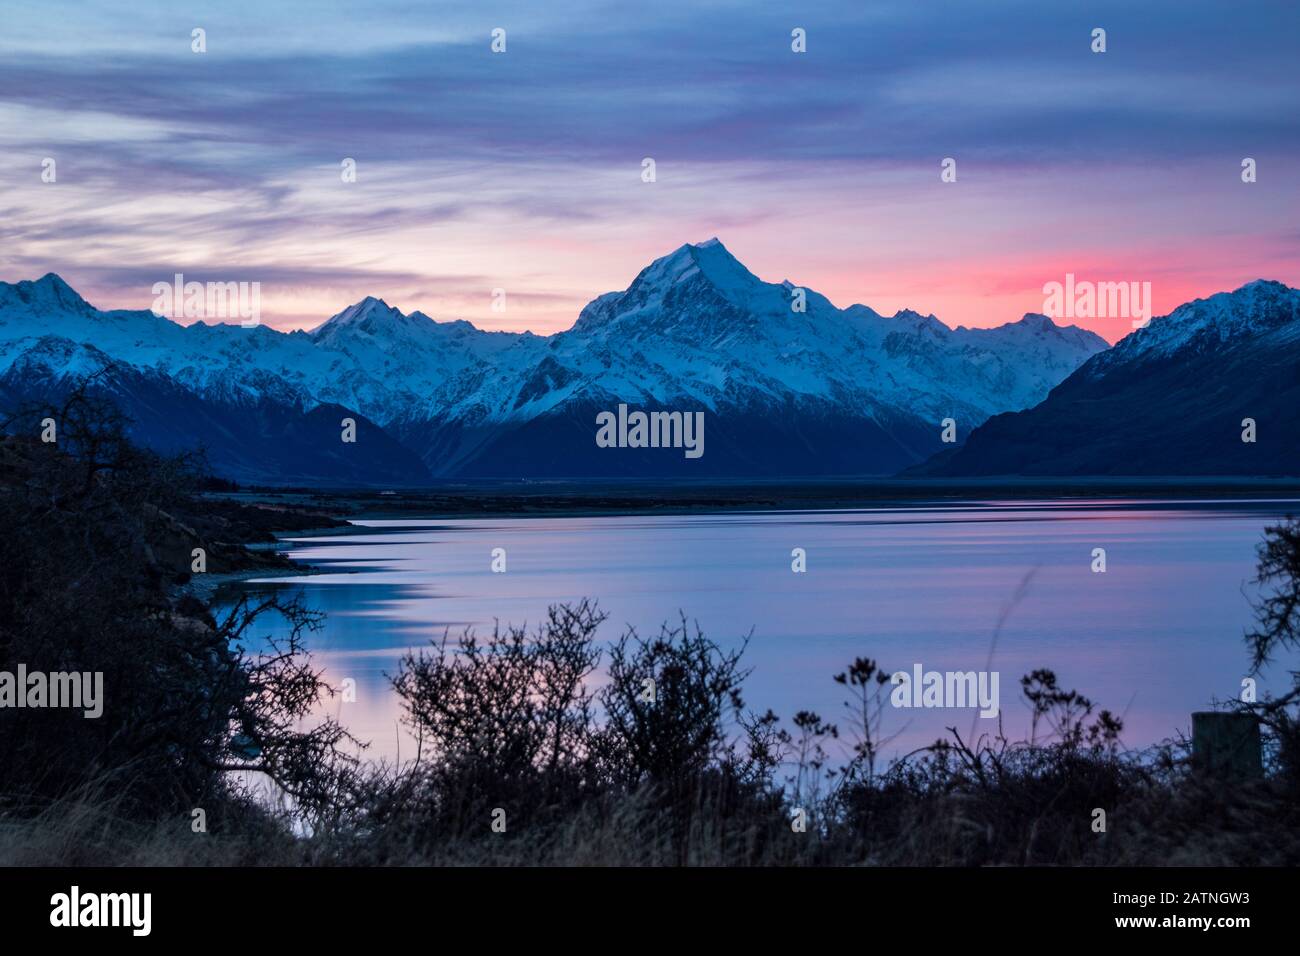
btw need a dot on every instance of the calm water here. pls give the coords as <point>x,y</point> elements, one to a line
<point>1154,638</point>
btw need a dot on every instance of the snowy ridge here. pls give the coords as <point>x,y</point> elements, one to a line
<point>1202,325</point>
<point>1208,390</point>
<point>696,325</point>
<point>694,329</point>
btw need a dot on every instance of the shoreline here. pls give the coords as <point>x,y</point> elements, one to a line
<point>207,585</point>
<point>485,501</point>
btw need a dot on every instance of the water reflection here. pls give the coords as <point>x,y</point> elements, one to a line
<point>1154,638</point>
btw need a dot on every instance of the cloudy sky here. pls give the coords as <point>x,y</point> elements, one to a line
<point>522,170</point>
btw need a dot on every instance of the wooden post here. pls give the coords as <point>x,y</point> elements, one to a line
<point>1226,745</point>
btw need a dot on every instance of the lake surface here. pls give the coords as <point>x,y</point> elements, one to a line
<point>1155,637</point>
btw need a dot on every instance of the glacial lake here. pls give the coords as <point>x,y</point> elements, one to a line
<point>1153,638</point>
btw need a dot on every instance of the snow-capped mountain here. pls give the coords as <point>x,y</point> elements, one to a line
<point>790,384</point>
<point>1172,398</point>
<point>697,324</point>
<point>368,356</point>
<point>394,362</point>
<point>263,439</point>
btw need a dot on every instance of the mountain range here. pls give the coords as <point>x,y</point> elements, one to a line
<point>789,384</point>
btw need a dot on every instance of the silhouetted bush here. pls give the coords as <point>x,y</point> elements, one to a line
<point>92,551</point>
<point>1277,629</point>
<point>503,720</point>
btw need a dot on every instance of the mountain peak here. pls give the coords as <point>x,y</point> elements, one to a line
<point>911,315</point>
<point>1036,320</point>
<point>709,259</point>
<point>1044,328</point>
<point>359,315</point>
<point>1255,308</point>
<point>922,323</point>
<point>49,292</point>
<point>1263,285</point>
<point>721,267</point>
<point>54,282</point>
<point>698,289</point>
<point>370,305</point>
